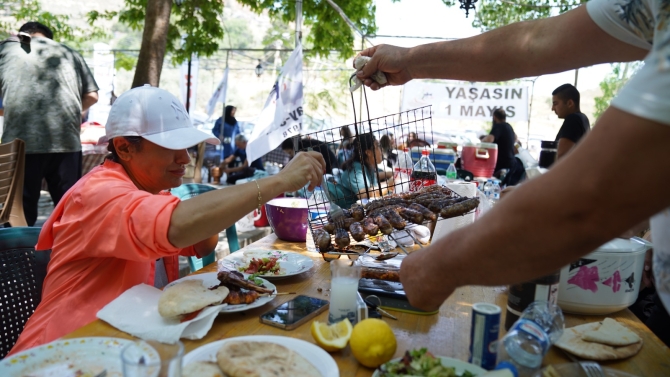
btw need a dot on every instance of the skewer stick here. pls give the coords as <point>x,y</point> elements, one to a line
<point>285,293</point>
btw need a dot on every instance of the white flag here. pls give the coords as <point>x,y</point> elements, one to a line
<point>281,117</point>
<point>219,94</point>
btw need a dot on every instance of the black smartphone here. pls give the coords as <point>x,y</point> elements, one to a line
<point>294,313</point>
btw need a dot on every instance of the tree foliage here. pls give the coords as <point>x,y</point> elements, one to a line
<point>198,21</point>
<point>327,30</point>
<point>60,24</point>
<point>612,83</point>
<point>492,14</point>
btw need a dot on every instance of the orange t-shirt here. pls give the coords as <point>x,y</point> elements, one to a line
<point>105,235</point>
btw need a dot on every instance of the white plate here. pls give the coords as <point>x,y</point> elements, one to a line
<point>461,366</point>
<point>321,360</point>
<point>63,358</point>
<point>290,264</point>
<point>210,280</point>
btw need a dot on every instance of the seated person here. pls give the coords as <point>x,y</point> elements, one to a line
<point>243,170</point>
<point>112,226</point>
<point>318,146</point>
<point>360,173</point>
<point>387,146</point>
<point>345,148</point>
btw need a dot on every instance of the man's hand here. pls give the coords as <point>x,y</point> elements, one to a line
<point>415,275</point>
<point>303,168</point>
<point>391,60</point>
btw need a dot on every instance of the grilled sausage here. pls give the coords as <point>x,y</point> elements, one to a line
<point>427,214</point>
<point>322,239</point>
<point>342,239</point>
<point>356,230</point>
<point>396,220</point>
<point>384,224</point>
<point>460,208</point>
<point>347,222</point>
<point>330,228</point>
<point>357,212</point>
<point>411,215</point>
<point>369,227</point>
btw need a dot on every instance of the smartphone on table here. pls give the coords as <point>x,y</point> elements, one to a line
<point>294,313</point>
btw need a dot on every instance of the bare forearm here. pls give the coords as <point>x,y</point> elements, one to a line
<point>206,246</point>
<point>88,100</point>
<point>210,213</point>
<point>552,220</point>
<point>522,49</point>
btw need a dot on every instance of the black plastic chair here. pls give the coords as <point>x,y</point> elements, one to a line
<point>22,273</point>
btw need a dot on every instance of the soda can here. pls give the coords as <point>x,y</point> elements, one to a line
<point>484,335</point>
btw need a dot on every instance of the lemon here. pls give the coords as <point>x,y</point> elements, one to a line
<point>372,342</point>
<point>332,337</point>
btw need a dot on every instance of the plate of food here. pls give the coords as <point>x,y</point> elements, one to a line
<point>261,355</point>
<point>245,291</point>
<point>420,362</point>
<point>576,370</point>
<point>269,264</point>
<point>82,357</point>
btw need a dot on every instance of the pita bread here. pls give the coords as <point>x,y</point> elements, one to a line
<point>187,297</point>
<point>262,359</point>
<point>202,369</point>
<point>572,342</point>
<point>612,333</point>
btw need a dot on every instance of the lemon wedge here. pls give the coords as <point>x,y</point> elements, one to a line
<point>332,337</point>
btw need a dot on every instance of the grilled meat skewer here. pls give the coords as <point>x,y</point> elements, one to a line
<point>235,278</point>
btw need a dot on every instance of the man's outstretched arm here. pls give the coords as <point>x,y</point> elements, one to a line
<point>556,44</point>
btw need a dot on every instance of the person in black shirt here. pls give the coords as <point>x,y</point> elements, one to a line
<point>317,146</point>
<point>244,170</point>
<point>565,103</point>
<point>503,135</point>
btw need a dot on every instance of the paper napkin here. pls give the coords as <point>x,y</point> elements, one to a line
<point>136,312</point>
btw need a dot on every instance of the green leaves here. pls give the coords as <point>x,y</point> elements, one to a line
<point>492,14</point>
<point>324,29</point>
<point>612,83</point>
<point>64,32</point>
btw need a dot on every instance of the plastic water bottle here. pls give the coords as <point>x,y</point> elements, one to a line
<point>488,187</point>
<point>424,173</point>
<point>528,340</point>
<point>405,163</point>
<point>495,192</point>
<point>452,175</point>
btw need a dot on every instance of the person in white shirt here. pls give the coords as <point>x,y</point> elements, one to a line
<point>517,240</point>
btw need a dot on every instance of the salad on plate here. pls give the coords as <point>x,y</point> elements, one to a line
<point>419,363</point>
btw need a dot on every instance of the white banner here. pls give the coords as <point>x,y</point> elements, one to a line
<point>457,100</point>
<point>194,82</point>
<point>219,94</point>
<point>281,117</point>
<point>103,72</point>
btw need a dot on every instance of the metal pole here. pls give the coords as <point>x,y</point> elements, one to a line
<point>530,110</point>
<point>298,22</point>
<point>188,87</point>
<point>576,76</point>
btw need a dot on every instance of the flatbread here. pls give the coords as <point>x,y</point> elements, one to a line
<point>612,333</point>
<point>262,359</point>
<point>572,342</point>
<point>202,369</point>
<point>187,297</point>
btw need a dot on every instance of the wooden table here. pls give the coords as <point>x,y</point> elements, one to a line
<point>445,334</point>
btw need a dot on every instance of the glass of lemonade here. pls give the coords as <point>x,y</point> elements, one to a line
<point>344,278</point>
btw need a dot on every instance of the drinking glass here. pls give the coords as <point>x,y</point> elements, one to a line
<point>152,359</point>
<point>344,276</point>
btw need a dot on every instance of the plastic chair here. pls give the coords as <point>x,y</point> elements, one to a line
<point>187,191</point>
<point>12,166</point>
<point>22,273</point>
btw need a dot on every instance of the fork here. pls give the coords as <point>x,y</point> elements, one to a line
<point>592,369</point>
<point>335,213</point>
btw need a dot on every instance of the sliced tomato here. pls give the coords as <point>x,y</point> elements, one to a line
<point>190,316</point>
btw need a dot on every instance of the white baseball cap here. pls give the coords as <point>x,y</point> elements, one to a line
<point>156,115</point>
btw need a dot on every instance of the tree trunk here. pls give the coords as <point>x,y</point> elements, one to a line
<point>154,41</point>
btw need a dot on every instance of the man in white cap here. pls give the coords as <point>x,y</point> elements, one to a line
<point>110,228</point>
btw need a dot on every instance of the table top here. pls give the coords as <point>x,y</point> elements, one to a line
<point>444,334</point>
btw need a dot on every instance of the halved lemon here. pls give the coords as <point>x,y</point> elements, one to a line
<point>332,337</point>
